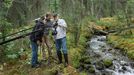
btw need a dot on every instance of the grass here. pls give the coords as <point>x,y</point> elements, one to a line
<point>124,43</point>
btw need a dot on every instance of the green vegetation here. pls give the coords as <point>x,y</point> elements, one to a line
<point>80,15</point>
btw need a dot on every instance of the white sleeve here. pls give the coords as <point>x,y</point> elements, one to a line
<point>62,23</point>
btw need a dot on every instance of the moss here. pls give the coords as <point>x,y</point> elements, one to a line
<point>83,58</point>
<point>83,73</point>
<point>131,54</point>
<point>87,61</point>
<point>107,63</point>
<point>91,69</point>
<point>123,43</point>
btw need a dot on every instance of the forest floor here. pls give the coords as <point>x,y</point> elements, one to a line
<point>20,67</point>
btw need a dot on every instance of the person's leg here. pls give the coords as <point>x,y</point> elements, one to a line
<point>64,49</point>
<point>34,54</point>
<point>43,49</point>
<point>48,44</point>
<point>58,47</point>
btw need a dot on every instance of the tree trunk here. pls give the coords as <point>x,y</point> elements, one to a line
<point>92,7</point>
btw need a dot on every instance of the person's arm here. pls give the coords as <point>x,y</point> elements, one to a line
<point>62,23</point>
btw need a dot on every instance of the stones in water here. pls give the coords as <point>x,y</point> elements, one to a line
<point>124,68</point>
<point>110,49</point>
<point>106,73</point>
<point>85,64</point>
<point>91,69</point>
<point>123,63</point>
<point>99,65</point>
<point>132,64</point>
<point>107,63</point>
<point>102,38</point>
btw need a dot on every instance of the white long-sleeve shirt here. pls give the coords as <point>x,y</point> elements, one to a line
<point>61,29</point>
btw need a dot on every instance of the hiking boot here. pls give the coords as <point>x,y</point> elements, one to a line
<point>38,63</point>
<point>35,66</point>
<point>66,64</point>
<point>66,60</point>
<point>59,57</point>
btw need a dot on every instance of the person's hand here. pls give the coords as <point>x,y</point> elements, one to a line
<point>56,24</point>
<point>39,43</point>
<point>44,21</point>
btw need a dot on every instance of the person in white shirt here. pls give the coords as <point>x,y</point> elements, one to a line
<point>60,38</point>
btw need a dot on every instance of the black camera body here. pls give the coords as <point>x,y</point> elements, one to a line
<point>54,32</point>
<point>55,27</point>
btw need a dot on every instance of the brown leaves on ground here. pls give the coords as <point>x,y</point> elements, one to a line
<point>93,25</point>
<point>71,71</point>
<point>108,19</point>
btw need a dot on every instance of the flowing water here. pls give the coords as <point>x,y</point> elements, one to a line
<point>121,64</point>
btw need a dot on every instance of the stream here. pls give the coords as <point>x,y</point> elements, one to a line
<point>99,50</point>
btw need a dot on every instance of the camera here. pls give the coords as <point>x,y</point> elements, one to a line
<point>55,27</point>
<point>54,32</point>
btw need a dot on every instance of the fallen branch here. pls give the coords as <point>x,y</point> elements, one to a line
<point>19,37</point>
<point>16,33</point>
